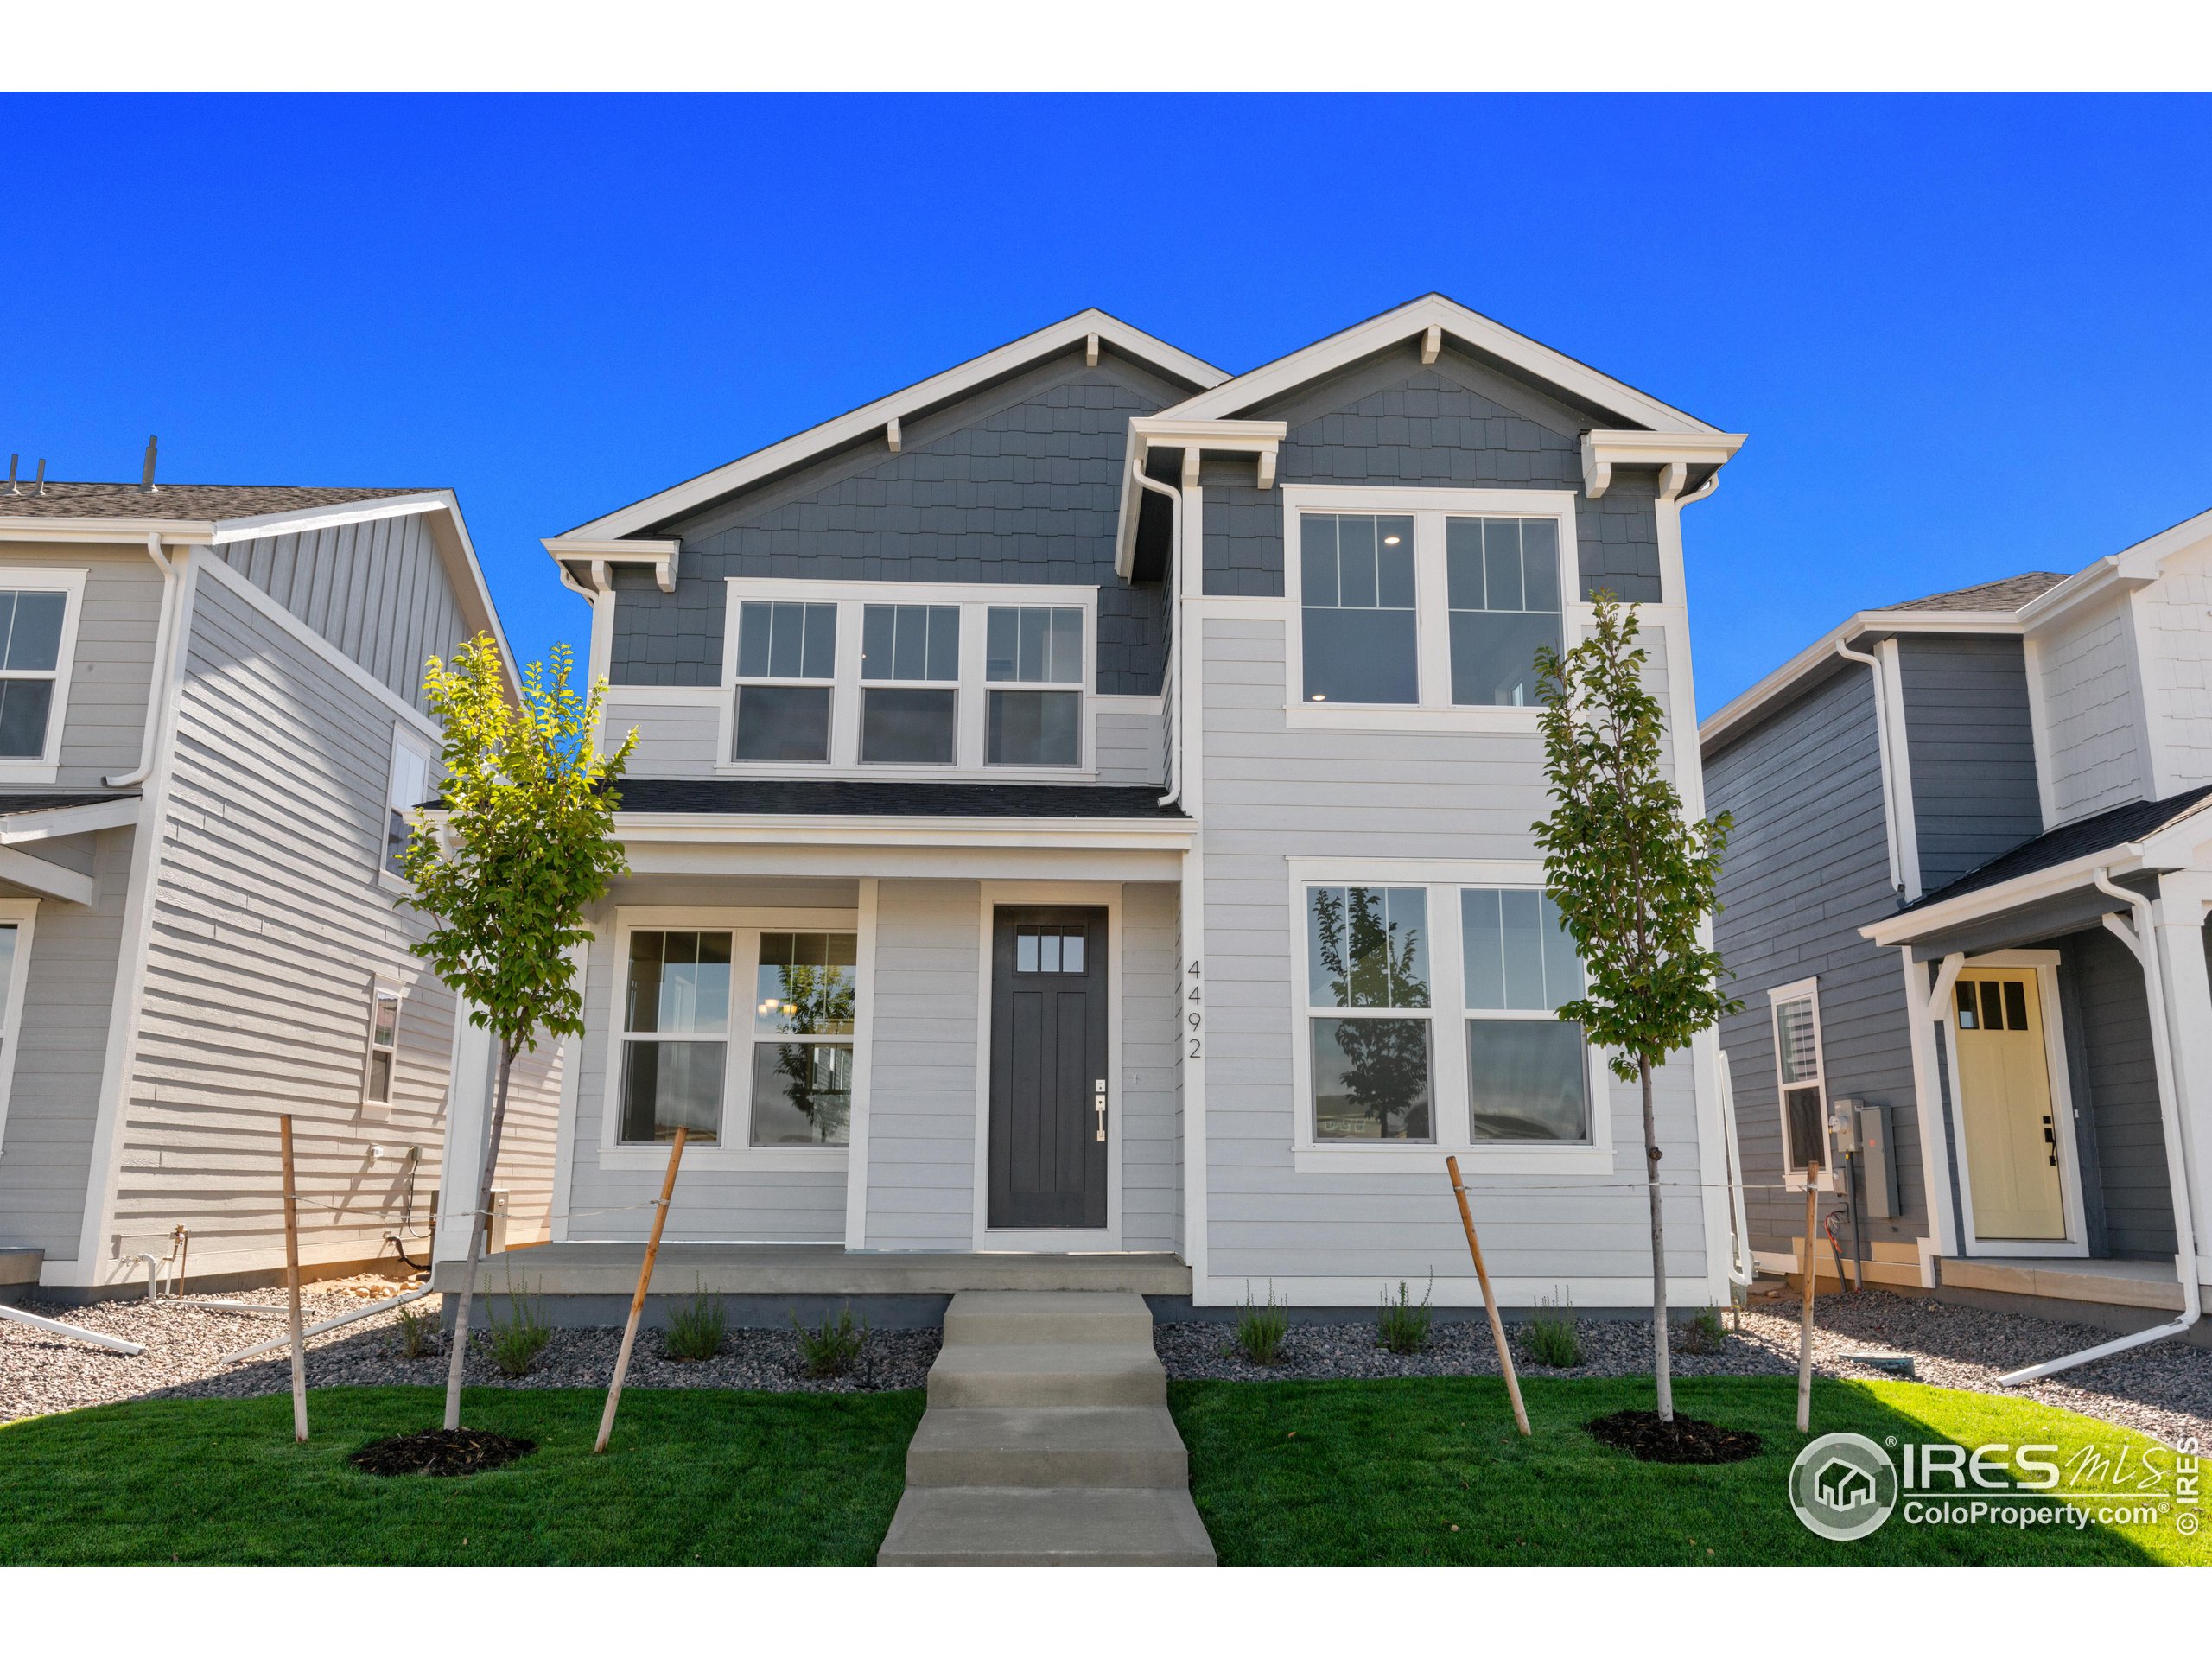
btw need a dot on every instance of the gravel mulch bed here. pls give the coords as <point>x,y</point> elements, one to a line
<point>2164,1390</point>
<point>41,1373</point>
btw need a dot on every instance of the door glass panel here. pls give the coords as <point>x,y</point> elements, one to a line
<point>1969,1015</point>
<point>2016,1005</point>
<point>1992,1006</point>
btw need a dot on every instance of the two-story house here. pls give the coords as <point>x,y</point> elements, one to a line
<point>212,728</point>
<point>1080,834</point>
<point>1966,908</point>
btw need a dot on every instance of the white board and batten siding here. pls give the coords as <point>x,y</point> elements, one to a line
<point>1271,794</point>
<point>268,926</point>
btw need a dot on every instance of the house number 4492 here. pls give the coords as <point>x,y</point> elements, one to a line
<point>1194,1014</point>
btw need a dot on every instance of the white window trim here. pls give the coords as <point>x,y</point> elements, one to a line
<point>628,919</point>
<point>408,739</point>
<point>1449,1107</point>
<point>851,598</point>
<point>23,912</point>
<point>380,1111</point>
<point>71,584</point>
<point>1800,990</point>
<point>1431,602</point>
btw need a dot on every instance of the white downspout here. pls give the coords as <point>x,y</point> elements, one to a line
<point>1175,616</point>
<point>1741,1267</point>
<point>1890,784</point>
<point>163,646</point>
<point>2146,945</point>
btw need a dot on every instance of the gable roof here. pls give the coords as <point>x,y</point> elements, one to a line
<point>65,499</point>
<point>1470,328</point>
<point>903,404</point>
<point>2006,594</point>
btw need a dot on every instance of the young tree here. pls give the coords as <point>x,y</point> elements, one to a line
<point>527,845</point>
<point>1633,882</point>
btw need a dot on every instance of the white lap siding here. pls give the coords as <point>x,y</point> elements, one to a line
<point>1271,794</point>
<point>268,927</point>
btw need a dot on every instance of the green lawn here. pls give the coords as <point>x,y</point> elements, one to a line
<point>694,1476</point>
<point>1315,1473</point>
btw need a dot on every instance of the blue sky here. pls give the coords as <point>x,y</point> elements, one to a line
<point>1968,336</point>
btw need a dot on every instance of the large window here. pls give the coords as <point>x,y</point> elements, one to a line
<point>31,668</point>
<point>790,1083</point>
<point>1357,582</point>
<point>1527,1072</point>
<point>1367,1012</point>
<point>786,669</point>
<point>909,679</point>
<point>1028,649</point>
<point>407,788</point>
<point>1502,577</point>
<point>1801,1077</point>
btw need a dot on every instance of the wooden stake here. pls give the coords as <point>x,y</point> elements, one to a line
<point>292,1278</point>
<point>1805,1323</point>
<point>638,1301</point>
<point>1490,1304</point>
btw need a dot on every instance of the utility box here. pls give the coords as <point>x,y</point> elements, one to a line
<point>1877,1167</point>
<point>1843,1127</point>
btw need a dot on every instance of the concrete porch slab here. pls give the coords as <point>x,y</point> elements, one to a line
<point>2071,1279</point>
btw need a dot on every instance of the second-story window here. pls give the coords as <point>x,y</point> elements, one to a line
<point>1029,650</point>
<point>786,670</point>
<point>909,678</point>
<point>1503,578</point>
<point>1356,577</point>
<point>407,788</point>
<point>30,658</point>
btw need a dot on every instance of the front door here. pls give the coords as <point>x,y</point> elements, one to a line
<point>2012,1130</point>
<point>1048,1069</point>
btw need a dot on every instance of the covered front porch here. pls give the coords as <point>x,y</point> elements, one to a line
<point>2062,1031</point>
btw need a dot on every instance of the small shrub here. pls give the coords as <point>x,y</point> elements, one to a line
<point>1550,1336</point>
<point>416,1333</point>
<point>830,1351</point>
<point>518,1339</point>
<point>1260,1327</point>
<point>697,1329</point>
<point>1702,1334</point>
<point>1402,1326</point>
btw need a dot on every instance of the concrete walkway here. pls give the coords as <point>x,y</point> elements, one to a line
<point>1047,1441</point>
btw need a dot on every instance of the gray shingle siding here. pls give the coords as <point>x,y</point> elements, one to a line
<point>1806,868</point>
<point>1973,750</point>
<point>1454,424</point>
<point>1020,483</point>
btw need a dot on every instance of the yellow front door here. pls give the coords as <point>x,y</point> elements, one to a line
<point>2004,1089</point>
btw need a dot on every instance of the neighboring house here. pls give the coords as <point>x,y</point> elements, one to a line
<point>1083,813</point>
<point>1958,821</point>
<point>211,723</point>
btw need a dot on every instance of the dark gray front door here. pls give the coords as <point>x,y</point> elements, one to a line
<point>1048,1060</point>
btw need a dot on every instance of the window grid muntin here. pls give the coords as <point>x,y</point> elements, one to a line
<point>384,1045</point>
<point>1348,1025</point>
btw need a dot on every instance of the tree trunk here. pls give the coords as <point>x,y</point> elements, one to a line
<point>480,1220</point>
<point>1660,1368</point>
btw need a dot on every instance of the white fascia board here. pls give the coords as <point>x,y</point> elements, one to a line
<point>589,550</point>
<point>44,825</point>
<point>302,521</point>
<point>24,528</point>
<point>1747,703</point>
<point>831,829</point>
<point>1237,437</point>
<point>1458,322</point>
<point>1602,451</point>
<point>2121,860</point>
<point>858,424</point>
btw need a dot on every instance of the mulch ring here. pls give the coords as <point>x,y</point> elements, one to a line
<point>1687,1440</point>
<point>441,1452</point>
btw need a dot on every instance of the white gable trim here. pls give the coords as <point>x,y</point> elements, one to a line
<point>1414,320</point>
<point>874,418</point>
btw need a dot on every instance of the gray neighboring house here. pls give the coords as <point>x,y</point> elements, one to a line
<point>210,708</point>
<point>1080,835</point>
<point>1967,892</point>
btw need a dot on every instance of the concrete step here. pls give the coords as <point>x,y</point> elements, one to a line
<point>1047,1316</point>
<point>984,1526</point>
<point>1061,1446</point>
<point>1047,1374</point>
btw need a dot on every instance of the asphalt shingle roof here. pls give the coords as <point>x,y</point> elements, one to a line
<point>64,499</point>
<point>2008,594</point>
<point>2113,828</point>
<point>832,797</point>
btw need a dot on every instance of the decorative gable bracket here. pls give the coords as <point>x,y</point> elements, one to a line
<point>1673,452</point>
<point>589,562</point>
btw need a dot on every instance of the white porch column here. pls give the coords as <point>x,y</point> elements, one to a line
<point>2180,912</point>
<point>1923,1014</point>
<point>468,1119</point>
